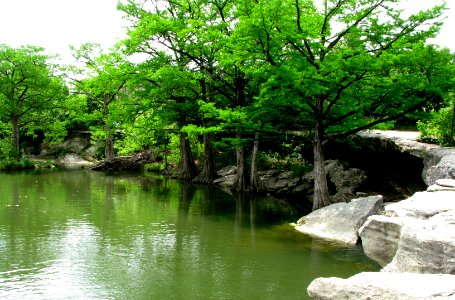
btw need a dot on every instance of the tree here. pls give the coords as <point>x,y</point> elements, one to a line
<point>31,91</point>
<point>197,35</point>
<point>347,65</point>
<point>105,77</point>
<point>170,29</point>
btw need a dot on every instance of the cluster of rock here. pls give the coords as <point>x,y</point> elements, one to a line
<point>414,241</point>
<point>346,181</point>
<point>75,151</point>
<point>340,222</point>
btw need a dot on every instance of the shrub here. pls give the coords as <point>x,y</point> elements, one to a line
<point>7,150</point>
<point>441,127</point>
<point>293,162</point>
<point>154,167</point>
<point>14,165</point>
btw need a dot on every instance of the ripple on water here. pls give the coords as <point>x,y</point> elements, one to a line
<point>53,279</point>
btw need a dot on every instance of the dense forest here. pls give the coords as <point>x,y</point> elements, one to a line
<point>251,83</point>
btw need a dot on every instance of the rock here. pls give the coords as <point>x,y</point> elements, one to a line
<point>286,175</point>
<point>439,164</point>
<point>307,184</point>
<point>426,247</point>
<point>227,181</point>
<point>438,188</point>
<point>384,286</point>
<point>421,229</point>
<point>361,194</point>
<point>267,174</point>
<point>267,183</point>
<point>279,185</point>
<point>450,183</point>
<point>380,236</point>
<point>74,160</point>
<point>228,170</point>
<point>345,180</point>
<point>340,222</point>
<point>423,205</point>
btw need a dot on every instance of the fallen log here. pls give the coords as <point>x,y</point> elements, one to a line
<point>133,163</point>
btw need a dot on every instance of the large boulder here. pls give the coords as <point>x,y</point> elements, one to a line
<point>380,237</point>
<point>426,246</point>
<point>439,164</point>
<point>346,180</point>
<point>340,222</point>
<point>423,205</point>
<point>228,177</point>
<point>384,286</point>
<point>416,234</point>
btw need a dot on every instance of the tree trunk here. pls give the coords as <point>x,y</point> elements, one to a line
<point>109,147</point>
<point>188,167</point>
<point>321,190</point>
<point>15,135</point>
<point>208,173</point>
<point>242,172</point>
<point>254,179</point>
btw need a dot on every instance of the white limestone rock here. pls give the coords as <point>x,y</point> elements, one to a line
<point>426,246</point>
<point>340,222</point>
<point>380,237</point>
<point>423,205</point>
<point>414,235</point>
<point>439,164</point>
<point>449,183</point>
<point>384,286</point>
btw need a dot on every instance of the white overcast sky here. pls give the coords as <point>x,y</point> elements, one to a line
<point>57,24</point>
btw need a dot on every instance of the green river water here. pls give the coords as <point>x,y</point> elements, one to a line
<point>84,235</point>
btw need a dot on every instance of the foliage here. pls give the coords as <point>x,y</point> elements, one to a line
<point>154,167</point>
<point>7,150</point>
<point>105,77</point>
<point>289,159</point>
<point>174,144</point>
<point>14,164</point>
<point>32,92</point>
<point>440,127</point>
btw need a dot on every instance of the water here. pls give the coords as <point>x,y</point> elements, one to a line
<point>84,235</point>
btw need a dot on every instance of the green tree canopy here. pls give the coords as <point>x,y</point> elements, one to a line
<point>346,65</point>
<point>105,77</point>
<point>32,93</point>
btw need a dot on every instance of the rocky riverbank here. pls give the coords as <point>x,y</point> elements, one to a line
<point>413,239</point>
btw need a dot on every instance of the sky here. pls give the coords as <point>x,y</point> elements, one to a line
<point>57,24</point>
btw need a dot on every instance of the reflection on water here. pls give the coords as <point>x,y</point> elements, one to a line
<point>84,235</point>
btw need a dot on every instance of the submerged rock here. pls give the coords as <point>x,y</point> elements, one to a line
<point>384,286</point>
<point>340,222</point>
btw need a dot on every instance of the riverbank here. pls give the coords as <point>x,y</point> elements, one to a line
<point>412,239</point>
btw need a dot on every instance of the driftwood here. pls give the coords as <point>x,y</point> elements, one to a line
<point>132,163</point>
